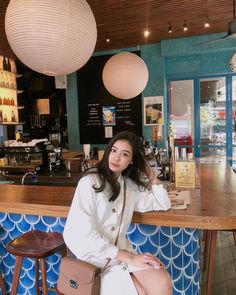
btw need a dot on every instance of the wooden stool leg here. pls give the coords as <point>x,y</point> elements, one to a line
<point>206,249</point>
<point>36,276</point>
<point>2,285</point>
<point>44,276</point>
<point>234,233</point>
<point>16,275</point>
<point>212,252</point>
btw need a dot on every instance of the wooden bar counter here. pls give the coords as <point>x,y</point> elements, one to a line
<point>213,205</point>
<point>172,236</point>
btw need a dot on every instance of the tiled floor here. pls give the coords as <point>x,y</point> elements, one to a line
<point>224,278</point>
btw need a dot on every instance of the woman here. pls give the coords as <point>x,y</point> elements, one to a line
<point>95,214</point>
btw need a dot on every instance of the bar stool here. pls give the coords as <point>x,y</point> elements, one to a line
<point>38,245</point>
<point>2,285</point>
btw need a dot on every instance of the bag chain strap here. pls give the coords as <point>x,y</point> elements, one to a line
<point>118,232</point>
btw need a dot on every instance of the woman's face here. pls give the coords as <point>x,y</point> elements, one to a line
<point>121,155</point>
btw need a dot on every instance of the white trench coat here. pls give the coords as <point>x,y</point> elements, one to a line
<point>92,225</point>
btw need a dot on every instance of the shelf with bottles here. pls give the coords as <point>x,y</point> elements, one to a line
<point>9,116</point>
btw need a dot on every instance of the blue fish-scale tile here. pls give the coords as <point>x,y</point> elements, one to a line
<point>15,218</point>
<point>148,247</point>
<point>57,228</point>
<point>53,259</point>
<point>137,238</point>
<point>165,230</point>
<point>62,221</point>
<point>9,262</point>
<point>31,219</point>
<point>41,226</point>
<point>131,228</point>
<point>3,216</point>
<point>15,233</point>
<point>148,229</point>
<point>8,225</point>
<point>176,273</point>
<point>174,231</point>
<point>23,226</point>
<point>166,251</point>
<point>27,282</point>
<point>49,221</point>
<point>179,284</point>
<point>159,239</point>
<point>52,277</point>
<point>28,264</point>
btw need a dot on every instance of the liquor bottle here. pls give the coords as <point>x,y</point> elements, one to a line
<point>8,65</point>
<point>6,79</point>
<point>0,116</point>
<point>2,80</point>
<point>4,64</point>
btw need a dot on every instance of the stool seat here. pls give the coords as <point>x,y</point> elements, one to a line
<point>38,245</point>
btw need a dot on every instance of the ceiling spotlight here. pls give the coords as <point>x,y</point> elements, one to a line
<point>170,28</point>
<point>185,27</point>
<point>146,33</point>
<point>107,38</point>
<point>207,23</point>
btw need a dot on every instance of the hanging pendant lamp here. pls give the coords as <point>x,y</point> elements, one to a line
<point>125,75</point>
<point>53,37</point>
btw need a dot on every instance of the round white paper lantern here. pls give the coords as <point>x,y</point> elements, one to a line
<point>125,75</point>
<point>53,37</point>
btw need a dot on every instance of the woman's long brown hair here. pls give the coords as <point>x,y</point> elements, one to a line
<point>135,171</point>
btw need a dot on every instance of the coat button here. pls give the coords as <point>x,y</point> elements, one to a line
<point>123,268</point>
<point>114,210</point>
<point>113,228</point>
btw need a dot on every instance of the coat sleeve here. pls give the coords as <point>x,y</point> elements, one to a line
<point>81,235</point>
<point>153,200</point>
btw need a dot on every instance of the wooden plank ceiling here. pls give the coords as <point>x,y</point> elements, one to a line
<point>124,22</point>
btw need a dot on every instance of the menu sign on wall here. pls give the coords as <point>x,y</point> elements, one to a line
<point>101,114</point>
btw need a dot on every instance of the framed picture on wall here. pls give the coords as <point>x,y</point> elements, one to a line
<point>153,110</point>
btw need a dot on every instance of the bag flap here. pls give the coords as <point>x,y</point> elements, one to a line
<point>78,270</point>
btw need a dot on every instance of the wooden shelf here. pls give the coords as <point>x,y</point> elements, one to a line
<point>12,106</point>
<point>12,123</point>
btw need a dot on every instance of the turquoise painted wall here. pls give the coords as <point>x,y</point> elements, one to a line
<point>171,59</point>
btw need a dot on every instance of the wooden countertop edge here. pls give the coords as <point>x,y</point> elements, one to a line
<point>186,221</point>
<point>148,218</point>
<point>33,209</point>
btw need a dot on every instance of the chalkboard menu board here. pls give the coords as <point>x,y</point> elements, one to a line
<point>101,114</point>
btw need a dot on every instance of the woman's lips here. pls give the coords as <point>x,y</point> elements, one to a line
<point>115,165</point>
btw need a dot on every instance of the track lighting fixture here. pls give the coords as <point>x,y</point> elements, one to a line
<point>185,27</point>
<point>170,28</point>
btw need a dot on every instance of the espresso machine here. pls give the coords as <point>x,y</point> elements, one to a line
<point>24,158</point>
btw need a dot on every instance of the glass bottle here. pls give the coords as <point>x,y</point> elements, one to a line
<point>4,64</point>
<point>8,65</point>
<point>2,80</point>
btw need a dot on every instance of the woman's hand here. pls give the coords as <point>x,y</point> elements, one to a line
<point>145,260</point>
